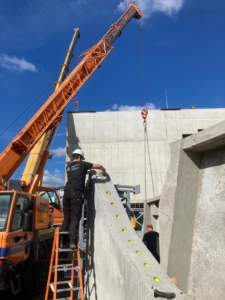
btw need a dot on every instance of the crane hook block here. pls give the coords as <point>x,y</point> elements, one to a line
<point>144,113</point>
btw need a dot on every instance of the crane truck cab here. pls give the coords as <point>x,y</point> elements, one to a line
<point>26,234</point>
<point>55,205</point>
<point>50,193</point>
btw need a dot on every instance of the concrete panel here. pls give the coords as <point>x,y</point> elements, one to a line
<point>167,202</point>
<point>118,264</point>
<point>180,250</point>
<point>193,248</point>
<point>205,140</point>
<point>206,277</point>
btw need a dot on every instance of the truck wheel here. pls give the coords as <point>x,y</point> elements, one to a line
<point>43,252</point>
<point>35,286</point>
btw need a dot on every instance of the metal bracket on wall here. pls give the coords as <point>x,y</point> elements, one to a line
<point>124,192</point>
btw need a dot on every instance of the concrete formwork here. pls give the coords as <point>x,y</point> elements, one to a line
<point>192,214</point>
<point>118,264</point>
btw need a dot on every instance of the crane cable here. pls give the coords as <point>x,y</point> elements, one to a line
<point>144,114</point>
<point>144,111</point>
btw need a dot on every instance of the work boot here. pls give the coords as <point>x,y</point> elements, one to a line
<point>73,245</point>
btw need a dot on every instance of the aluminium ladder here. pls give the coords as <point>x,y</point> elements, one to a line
<point>56,267</point>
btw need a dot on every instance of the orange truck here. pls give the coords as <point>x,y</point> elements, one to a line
<point>26,221</point>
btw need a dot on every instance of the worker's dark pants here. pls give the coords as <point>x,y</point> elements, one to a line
<point>72,208</point>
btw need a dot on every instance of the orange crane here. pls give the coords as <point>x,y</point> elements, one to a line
<point>50,113</point>
<point>26,232</point>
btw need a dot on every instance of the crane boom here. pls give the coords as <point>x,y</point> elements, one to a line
<point>37,158</point>
<point>49,115</point>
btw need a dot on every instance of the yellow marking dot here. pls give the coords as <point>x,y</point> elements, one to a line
<point>100,174</point>
<point>138,252</point>
<point>108,193</point>
<point>118,216</point>
<point>156,279</point>
<point>124,230</point>
<point>146,265</point>
<point>112,203</point>
<point>130,241</point>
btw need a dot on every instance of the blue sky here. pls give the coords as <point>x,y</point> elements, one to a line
<point>179,49</point>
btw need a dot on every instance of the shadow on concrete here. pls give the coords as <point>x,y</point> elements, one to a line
<point>71,144</point>
<point>90,278</point>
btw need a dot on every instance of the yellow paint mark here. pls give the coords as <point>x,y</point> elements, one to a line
<point>138,252</point>
<point>146,265</point>
<point>130,241</point>
<point>108,193</point>
<point>124,230</point>
<point>118,216</point>
<point>156,279</point>
<point>112,203</point>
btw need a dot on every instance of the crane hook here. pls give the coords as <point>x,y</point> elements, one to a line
<point>144,114</point>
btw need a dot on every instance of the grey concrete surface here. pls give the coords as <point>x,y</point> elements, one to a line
<point>167,202</point>
<point>118,264</point>
<point>207,266</point>
<point>192,240</point>
<point>115,139</point>
<point>180,250</point>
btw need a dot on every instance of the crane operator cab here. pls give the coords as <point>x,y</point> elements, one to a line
<point>55,205</point>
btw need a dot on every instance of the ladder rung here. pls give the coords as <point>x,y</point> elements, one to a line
<point>68,289</point>
<point>65,250</point>
<point>65,268</point>
<point>67,298</point>
<point>71,288</point>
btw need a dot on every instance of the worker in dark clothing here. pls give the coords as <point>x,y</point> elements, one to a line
<point>74,194</point>
<point>151,240</point>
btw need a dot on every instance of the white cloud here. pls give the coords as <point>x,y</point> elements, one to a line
<point>54,179</point>
<point>59,152</point>
<point>16,64</point>
<point>148,7</point>
<point>115,107</point>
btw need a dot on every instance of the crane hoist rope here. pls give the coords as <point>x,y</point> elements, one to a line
<point>144,101</point>
<point>144,114</point>
<point>142,64</point>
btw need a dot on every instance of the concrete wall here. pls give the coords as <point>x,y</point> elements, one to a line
<point>116,140</point>
<point>118,265</point>
<point>193,245</point>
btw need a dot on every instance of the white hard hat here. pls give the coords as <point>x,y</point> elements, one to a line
<point>79,151</point>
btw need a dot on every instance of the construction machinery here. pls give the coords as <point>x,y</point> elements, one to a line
<point>26,222</point>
